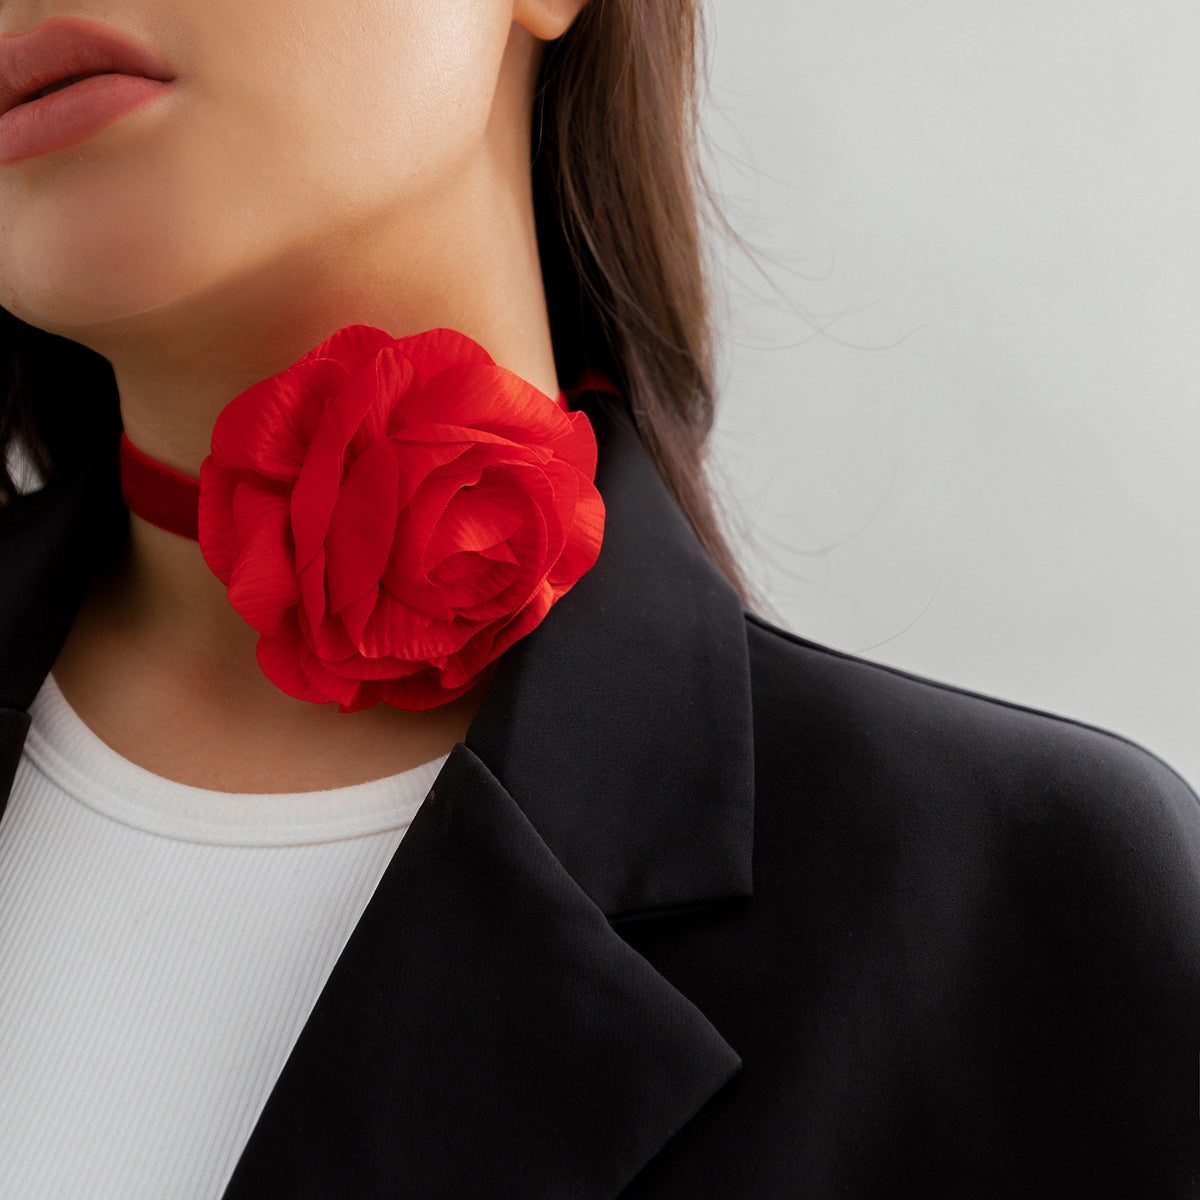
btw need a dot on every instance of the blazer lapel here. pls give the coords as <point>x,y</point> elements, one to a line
<point>52,546</point>
<point>486,1031</point>
<point>623,724</point>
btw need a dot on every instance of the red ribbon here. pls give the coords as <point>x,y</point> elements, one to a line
<point>171,500</point>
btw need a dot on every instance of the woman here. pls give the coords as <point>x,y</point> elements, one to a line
<point>652,899</point>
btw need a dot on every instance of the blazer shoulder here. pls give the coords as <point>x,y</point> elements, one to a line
<point>1022,887</point>
<point>1025,764</point>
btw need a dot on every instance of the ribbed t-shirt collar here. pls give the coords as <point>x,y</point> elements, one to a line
<point>68,752</point>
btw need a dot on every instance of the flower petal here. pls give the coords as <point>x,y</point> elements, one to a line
<point>312,592</point>
<point>316,490</point>
<point>330,642</point>
<point>268,427</point>
<point>362,527</point>
<point>322,679</point>
<point>360,667</point>
<point>279,658</point>
<point>362,407</point>
<point>492,399</point>
<point>398,631</point>
<point>474,519</point>
<point>417,461</point>
<point>424,691</point>
<point>577,444</point>
<point>536,543</point>
<point>431,351</point>
<point>583,541</point>
<point>370,693</point>
<point>263,585</point>
<point>394,380</point>
<point>351,345</point>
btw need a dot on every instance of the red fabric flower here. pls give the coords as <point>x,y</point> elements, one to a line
<point>391,514</point>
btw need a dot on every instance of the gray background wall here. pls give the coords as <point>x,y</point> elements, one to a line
<point>960,373</point>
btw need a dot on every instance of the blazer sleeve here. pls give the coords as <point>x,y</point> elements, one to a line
<point>1103,855</point>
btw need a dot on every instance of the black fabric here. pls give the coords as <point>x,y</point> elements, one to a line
<point>702,909</point>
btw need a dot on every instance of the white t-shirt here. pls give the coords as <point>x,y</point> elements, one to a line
<point>161,947</point>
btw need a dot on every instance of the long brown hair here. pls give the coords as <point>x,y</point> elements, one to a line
<point>617,191</point>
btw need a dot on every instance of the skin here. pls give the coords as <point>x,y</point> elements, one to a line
<point>318,165</point>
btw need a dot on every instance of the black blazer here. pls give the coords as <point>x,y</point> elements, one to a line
<point>702,909</point>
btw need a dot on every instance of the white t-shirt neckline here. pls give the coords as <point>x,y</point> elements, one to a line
<point>66,750</point>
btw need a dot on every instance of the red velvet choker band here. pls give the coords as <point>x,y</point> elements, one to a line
<point>390,514</point>
<point>171,500</point>
<point>159,494</point>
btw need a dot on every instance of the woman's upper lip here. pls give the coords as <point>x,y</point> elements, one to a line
<point>64,46</point>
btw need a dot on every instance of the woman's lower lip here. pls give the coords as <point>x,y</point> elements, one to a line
<point>73,113</point>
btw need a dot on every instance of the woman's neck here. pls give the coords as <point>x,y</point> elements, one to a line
<point>180,694</point>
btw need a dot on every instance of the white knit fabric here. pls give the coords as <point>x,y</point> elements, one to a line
<point>161,947</point>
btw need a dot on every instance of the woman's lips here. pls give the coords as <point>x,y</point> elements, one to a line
<point>62,83</point>
<point>73,112</point>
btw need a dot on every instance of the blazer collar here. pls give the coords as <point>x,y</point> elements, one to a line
<point>622,726</point>
<point>486,1030</point>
